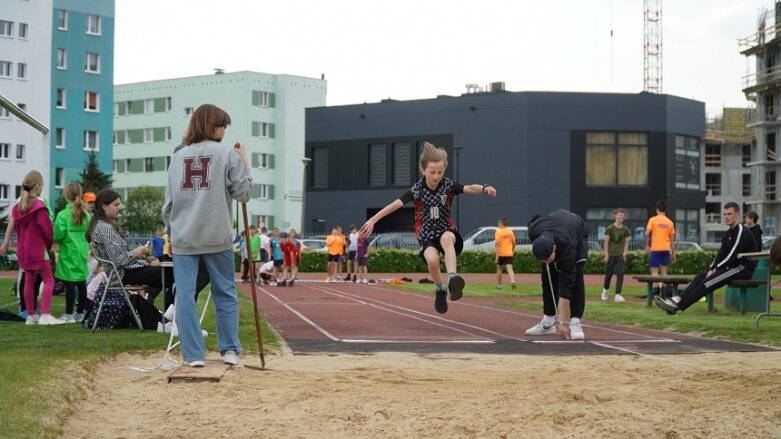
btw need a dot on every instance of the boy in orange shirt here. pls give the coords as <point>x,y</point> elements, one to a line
<point>660,242</point>
<point>505,245</point>
<point>335,244</point>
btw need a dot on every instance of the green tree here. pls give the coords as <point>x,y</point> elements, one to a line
<point>143,209</point>
<point>93,179</point>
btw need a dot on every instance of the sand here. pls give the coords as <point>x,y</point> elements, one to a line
<point>444,396</point>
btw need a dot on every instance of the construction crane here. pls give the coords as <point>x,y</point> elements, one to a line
<point>652,46</point>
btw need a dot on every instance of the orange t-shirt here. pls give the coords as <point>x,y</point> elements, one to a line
<point>335,244</point>
<point>505,239</point>
<point>662,232</point>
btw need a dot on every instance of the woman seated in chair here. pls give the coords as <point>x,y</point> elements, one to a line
<point>133,269</point>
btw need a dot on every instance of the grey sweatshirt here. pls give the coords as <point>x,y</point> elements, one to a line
<point>203,179</point>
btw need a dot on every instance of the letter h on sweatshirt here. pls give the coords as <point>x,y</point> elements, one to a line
<point>200,172</point>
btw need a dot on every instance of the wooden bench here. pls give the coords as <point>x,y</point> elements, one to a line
<point>743,286</point>
<point>672,280</point>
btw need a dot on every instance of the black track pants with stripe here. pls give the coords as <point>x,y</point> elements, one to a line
<point>701,285</point>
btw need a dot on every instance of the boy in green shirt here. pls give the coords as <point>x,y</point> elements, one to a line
<point>616,247</point>
<point>254,242</point>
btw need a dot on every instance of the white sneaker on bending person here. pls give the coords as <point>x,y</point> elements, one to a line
<point>542,329</point>
<point>576,331</point>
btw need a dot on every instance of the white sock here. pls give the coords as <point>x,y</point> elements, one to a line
<point>548,320</point>
<point>574,321</point>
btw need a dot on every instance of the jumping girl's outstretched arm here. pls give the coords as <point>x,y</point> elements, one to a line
<point>480,189</point>
<point>368,227</point>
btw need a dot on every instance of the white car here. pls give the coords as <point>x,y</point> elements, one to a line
<point>482,238</point>
<point>317,245</point>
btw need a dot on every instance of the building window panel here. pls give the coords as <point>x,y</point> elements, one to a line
<point>713,155</point>
<point>59,177</point>
<point>168,104</point>
<point>263,161</point>
<point>94,24</point>
<point>320,167</point>
<point>59,138</point>
<point>5,69</point>
<point>149,106</point>
<point>4,113</point>
<point>60,98</point>
<point>62,19</point>
<point>91,100</point>
<point>633,167</point>
<point>600,166</point>
<point>23,31</point>
<point>62,59</point>
<point>4,190</point>
<point>6,28</point>
<point>261,98</point>
<point>616,159</point>
<point>746,185</point>
<point>5,151</point>
<point>128,162</point>
<point>91,141</point>
<point>168,135</point>
<point>188,111</point>
<point>263,191</point>
<point>770,185</point>
<point>402,158</point>
<point>770,142</point>
<point>377,165</point>
<point>746,149</point>
<point>149,135</point>
<point>92,62</point>
<point>21,70</point>
<point>713,184</point>
<point>149,164</point>
<point>20,150</point>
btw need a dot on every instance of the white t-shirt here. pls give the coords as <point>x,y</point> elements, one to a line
<point>353,242</point>
<point>267,268</point>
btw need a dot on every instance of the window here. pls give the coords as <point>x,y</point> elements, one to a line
<point>168,135</point>
<point>149,164</point>
<point>116,166</point>
<point>320,167</point>
<point>4,189</point>
<point>746,185</point>
<point>5,69</point>
<point>687,225</point>
<point>263,161</point>
<point>263,220</point>
<point>616,159</point>
<point>262,129</point>
<point>713,184</point>
<point>93,24</point>
<point>59,138</point>
<point>19,152</point>
<point>17,191</point>
<point>149,135</point>
<point>377,164</point>
<point>59,177</point>
<point>21,70</point>
<point>116,109</point>
<point>23,31</point>
<point>91,142</point>
<point>60,98</point>
<point>149,106</point>
<point>167,162</point>
<point>6,28</point>
<point>713,213</point>
<point>62,59</point>
<point>402,157</point>
<point>713,155</point>
<point>62,19</point>
<point>770,185</point>
<point>5,151</point>
<point>188,111</point>
<point>746,154</point>
<point>168,104</point>
<point>115,141</point>
<point>91,100</point>
<point>770,141</point>
<point>127,165</point>
<point>4,113</point>
<point>263,191</point>
<point>261,98</point>
<point>92,62</point>
<point>127,137</point>
<point>22,106</point>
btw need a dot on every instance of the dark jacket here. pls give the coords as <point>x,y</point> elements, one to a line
<point>756,230</point>
<point>738,239</point>
<point>571,238</point>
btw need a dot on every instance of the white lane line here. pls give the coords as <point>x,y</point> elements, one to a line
<point>303,317</point>
<point>655,357</point>
<point>358,340</point>
<point>661,340</point>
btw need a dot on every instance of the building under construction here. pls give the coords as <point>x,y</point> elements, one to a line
<point>763,88</point>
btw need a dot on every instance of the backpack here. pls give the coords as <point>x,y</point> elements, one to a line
<point>115,313</point>
<point>148,313</point>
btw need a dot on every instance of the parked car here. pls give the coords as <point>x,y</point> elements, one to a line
<point>594,245</point>
<point>399,240</point>
<point>310,244</point>
<point>687,245</point>
<point>767,241</point>
<point>482,238</point>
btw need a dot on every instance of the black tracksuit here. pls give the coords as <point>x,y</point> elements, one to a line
<point>738,239</point>
<point>566,271</point>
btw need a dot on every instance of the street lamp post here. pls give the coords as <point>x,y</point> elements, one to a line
<point>305,161</point>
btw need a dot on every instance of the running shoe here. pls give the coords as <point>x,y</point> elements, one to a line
<point>230,357</point>
<point>195,363</point>
<point>440,303</point>
<point>456,287</point>
<point>540,329</point>
<point>668,305</point>
<point>576,332</point>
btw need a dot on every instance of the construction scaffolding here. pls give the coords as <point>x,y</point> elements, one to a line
<point>730,127</point>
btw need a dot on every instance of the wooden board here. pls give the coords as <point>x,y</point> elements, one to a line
<point>213,371</point>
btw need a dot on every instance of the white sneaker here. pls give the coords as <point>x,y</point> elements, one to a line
<point>169,313</point>
<point>231,357</point>
<point>365,281</point>
<point>540,329</point>
<point>68,318</point>
<point>576,332</point>
<point>195,363</point>
<point>604,294</point>
<point>48,319</point>
<point>160,327</point>
<point>328,280</point>
<point>31,320</point>
<point>619,298</point>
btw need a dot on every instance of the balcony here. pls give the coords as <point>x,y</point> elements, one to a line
<point>755,43</point>
<point>763,80</point>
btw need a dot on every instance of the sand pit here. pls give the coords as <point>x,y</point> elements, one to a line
<point>448,396</point>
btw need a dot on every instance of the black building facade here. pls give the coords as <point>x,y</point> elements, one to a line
<point>586,152</point>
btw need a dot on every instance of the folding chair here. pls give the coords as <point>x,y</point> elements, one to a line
<point>114,283</point>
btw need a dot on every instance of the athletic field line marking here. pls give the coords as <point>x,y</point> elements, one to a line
<point>655,357</point>
<point>661,340</point>
<point>386,307</point>
<point>522,313</point>
<point>302,317</point>
<point>428,316</point>
<point>358,340</point>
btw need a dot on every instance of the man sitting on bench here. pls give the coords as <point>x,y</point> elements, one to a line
<point>725,268</point>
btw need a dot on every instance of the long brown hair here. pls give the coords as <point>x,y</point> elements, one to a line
<point>203,122</point>
<point>105,196</point>
<point>31,181</point>
<point>72,194</point>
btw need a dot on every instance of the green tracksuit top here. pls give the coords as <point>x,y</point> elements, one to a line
<point>74,249</point>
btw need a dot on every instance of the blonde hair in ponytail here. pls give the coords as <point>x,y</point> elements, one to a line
<point>72,194</point>
<point>431,153</point>
<point>31,188</point>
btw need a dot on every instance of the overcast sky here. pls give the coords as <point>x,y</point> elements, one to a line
<point>415,49</point>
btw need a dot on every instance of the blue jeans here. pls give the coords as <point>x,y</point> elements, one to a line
<point>226,303</point>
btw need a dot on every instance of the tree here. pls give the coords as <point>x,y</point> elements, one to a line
<point>93,179</point>
<point>143,209</point>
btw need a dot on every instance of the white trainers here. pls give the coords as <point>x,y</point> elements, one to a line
<point>31,320</point>
<point>195,363</point>
<point>604,294</point>
<point>619,298</point>
<point>540,329</point>
<point>576,332</point>
<point>231,357</point>
<point>48,319</point>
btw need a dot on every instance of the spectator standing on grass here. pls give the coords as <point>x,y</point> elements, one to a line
<point>70,232</point>
<point>660,243</point>
<point>35,238</point>
<point>335,246</point>
<point>158,243</point>
<point>505,247</point>
<point>751,220</point>
<point>277,257</point>
<point>265,245</point>
<point>362,259</point>
<point>726,267</point>
<point>616,247</point>
<point>204,178</point>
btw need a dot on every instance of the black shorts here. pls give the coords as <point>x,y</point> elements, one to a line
<point>362,261</point>
<point>351,255</point>
<point>263,255</point>
<point>504,260</point>
<point>333,258</point>
<point>279,262</point>
<point>459,245</point>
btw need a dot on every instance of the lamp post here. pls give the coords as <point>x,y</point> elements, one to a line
<point>458,149</point>
<point>305,161</point>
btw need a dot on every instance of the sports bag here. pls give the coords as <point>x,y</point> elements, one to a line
<point>115,313</point>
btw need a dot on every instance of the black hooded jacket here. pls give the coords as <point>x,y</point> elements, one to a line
<point>569,234</point>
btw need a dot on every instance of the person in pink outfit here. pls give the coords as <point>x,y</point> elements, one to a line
<point>34,238</point>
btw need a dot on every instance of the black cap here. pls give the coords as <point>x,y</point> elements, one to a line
<point>542,247</point>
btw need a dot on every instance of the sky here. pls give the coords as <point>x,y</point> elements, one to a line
<point>370,50</point>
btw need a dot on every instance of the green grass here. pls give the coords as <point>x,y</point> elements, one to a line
<point>722,323</point>
<point>43,369</point>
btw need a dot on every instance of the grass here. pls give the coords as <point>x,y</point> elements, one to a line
<point>722,323</point>
<point>43,369</point>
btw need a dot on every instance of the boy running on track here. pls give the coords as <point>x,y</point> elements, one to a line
<point>437,233</point>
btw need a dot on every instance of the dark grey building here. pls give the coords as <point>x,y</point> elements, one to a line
<point>586,152</point>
